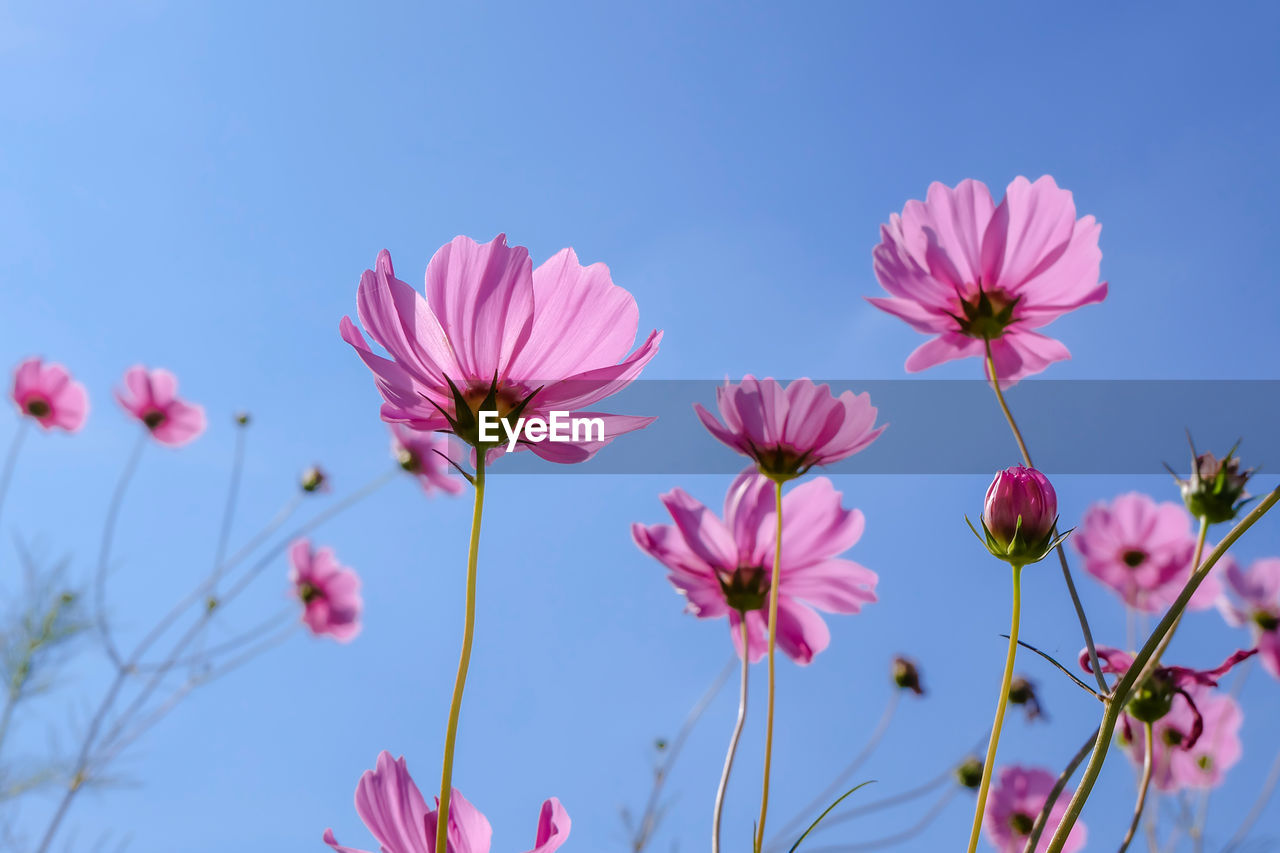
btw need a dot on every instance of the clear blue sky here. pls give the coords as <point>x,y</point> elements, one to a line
<point>198,185</point>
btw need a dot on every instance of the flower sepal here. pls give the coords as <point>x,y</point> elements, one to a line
<point>1018,550</point>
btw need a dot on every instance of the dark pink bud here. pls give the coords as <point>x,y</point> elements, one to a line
<point>1020,493</point>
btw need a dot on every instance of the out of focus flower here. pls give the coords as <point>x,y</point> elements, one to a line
<point>1257,604</point>
<point>907,675</point>
<point>494,334</point>
<point>1143,551</point>
<point>1019,516</point>
<point>1215,489</point>
<point>1016,800</point>
<point>329,592</point>
<point>786,431</point>
<point>47,394</point>
<point>314,479</point>
<point>425,456</point>
<point>723,567</point>
<point>1022,692</point>
<point>395,813</point>
<point>151,396</point>
<point>1196,738</point>
<point>961,268</point>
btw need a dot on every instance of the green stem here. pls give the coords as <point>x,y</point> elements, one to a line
<point>989,765</point>
<point>11,460</point>
<point>1120,693</point>
<point>1062,553</point>
<point>464,661</point>
<point>1168,637</point>
<point>1038,829</point>
<point>773,639</point>
<point>733,741</point>
<point>1143,785</point>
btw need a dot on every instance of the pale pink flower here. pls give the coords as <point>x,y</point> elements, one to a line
<point>151,396</point>
<point>1197,739</point>
<point>1016,799</point>
<point>789,430</point>
<point>47,394</point>
<point>961,268</point>
<point>1257,604</point>
<point>1143,551</point>
<point>555,338</point>
<point>723,568</point>
<point>329,592</point>
<point>423,454</point>
<point>396,814</point>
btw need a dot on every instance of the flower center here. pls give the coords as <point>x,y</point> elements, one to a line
<point>1172,737</point>
<point>986,314</point>
<point>746,588</point>
<point>1134,557</point>
<point>38,407</point>
<point>1205,762</point>
<point>154,418</point>
<point>309,592</point>
<point>1266,620</point>
<point>408,460</point>
<point>1021,822</point>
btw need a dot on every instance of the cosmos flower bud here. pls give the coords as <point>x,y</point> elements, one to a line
<point>1022,692</point>
<point>1153,699</point>
<point>314,479</point>
<point>907,675</point>
<point>1215,489</point>
<point>242,418</point>
<point>969,773</point>
<point>1019,516</point>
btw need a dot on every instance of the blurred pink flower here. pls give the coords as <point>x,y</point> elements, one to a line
<point>1257,604</point>
<point>1143,551</point>
<point>723,567</point>
<point>395,813</point>
<point>329,592</point>
<point>1016,800</point>
<point>423,454</point>
<point>960,267</point>
<point>492,323</point>
<point>789,430</point>
<point>151,397</point>
<point>48,394</point>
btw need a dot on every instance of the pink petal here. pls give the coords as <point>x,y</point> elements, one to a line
<point>801,631</point>
<point>553,827</point>
<point>1028,232</point>
<point>392,807</point>
<point>955,219</point>
<point>946,347</point>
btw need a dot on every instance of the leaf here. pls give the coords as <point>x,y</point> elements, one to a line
<point>827,811</point>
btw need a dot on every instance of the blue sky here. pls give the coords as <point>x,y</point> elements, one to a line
<point>198,185</point>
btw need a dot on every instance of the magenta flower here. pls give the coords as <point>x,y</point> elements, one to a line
<point>329,592</point>
<point>1016,800</point>
<point>789,430</point>
<point>151,396</point>
<point>723,567</point>
<point>1019,515</point>
<point>48,394</point>
<point>394,811</point>
<point>423,454</point>
<point>1258,605</point>
<point>1196,739</point>
<point>967,271</point>
<point>1143,551</point>
<point>532,341</point>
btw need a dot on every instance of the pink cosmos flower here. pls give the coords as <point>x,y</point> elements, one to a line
<point>789,430</point>
<point>151,397</point>
<point>723,567</point>
<point>555,338</point>
<point>961,268</point>
<point>48,394</point>
<point>1016,800</point>
<point>1197,739</point>
<point>329,592</point>
<point>394,811</point>
<point>1257,604</point>
<point>1143,551</point>
<point>423,454</point>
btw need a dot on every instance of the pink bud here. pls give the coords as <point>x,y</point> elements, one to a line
<point>1020,492</point>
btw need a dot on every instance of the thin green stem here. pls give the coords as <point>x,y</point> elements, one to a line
<point>1120,693</point>
<point>733,740</point>
<point>1168,637</point>
<point>1062,553</point>
<point>104,552</point>
<point>988,766</point>
<point>464,661</point>
<point>1143,784</point>
<point>773,639</point>
<point>10,461</point>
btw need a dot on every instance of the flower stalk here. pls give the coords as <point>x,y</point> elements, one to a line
<point>733,740</point>
<point>773,639</point>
